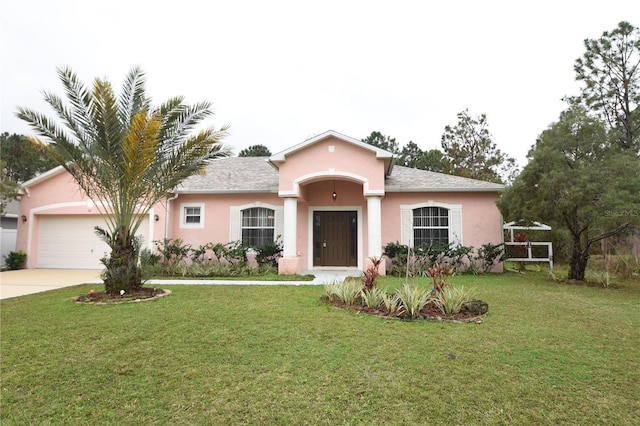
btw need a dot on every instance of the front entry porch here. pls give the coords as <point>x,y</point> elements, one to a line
<point>343,233</point>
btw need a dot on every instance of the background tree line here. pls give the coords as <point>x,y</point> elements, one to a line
<point>20,159</point>
<point>467,150</point>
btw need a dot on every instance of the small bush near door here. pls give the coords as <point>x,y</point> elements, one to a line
<point>16,260</point>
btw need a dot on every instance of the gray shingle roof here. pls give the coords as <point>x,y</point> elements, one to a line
<point>255,174</point>
<point>233,174</point>
<point>405,179</point>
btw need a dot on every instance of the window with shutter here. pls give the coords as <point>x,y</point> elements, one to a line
<point>424,223</point>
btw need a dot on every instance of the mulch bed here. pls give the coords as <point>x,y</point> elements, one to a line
<point>102,298</point>
<point>429,312</point>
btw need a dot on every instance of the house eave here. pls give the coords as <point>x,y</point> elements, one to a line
<point>442,189</point>
<point>273,163</point>
<point>41,178</point>
<point>225,191</point>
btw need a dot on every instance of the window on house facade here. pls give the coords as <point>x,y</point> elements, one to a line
<point>258,226</point>
<point>192,216</point>
<point>430,225</point>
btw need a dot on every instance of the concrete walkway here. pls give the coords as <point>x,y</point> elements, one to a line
<point>29,281</point>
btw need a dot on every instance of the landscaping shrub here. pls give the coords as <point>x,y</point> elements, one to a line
<point>398,254</point>
<point>331,290</point>
<point>173,252</point>
<point>148,258</point>
<point>622,265</point>
<point>348,291</point>
<point>459,257</point>
<point>602,278</point>
<point>393,304</point>
<point>268,254</point>
<point>214,269</point>
<point>15,260</point>
<point>413,299</point>
<point>232,252</point>
<point>409,302</point>
<point>420,259</point>
<point>451,299</point>
<point>200,254</point>
<point>370,275</point>
<point>373,297</point>
<point>627,265</point>
<point>439,272</point>
<point>174,257</point>
<point>488,256</point>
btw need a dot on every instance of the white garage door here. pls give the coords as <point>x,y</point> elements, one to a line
<point>71,242</point>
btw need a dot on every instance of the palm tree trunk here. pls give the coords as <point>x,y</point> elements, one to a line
<point>122,270</point>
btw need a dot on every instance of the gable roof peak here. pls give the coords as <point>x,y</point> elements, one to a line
<point>381,154</point>
<point>280,156</point>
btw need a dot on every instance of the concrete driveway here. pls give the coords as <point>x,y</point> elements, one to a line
<point>29,281</point>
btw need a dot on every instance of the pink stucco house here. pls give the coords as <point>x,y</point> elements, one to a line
<point>334,200</point>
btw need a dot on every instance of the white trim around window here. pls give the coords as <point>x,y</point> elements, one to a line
<point>235,219</point>
<point>192,215</point>
<point>455,221</point>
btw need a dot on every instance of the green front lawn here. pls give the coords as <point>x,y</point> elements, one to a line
<point>547,353</point>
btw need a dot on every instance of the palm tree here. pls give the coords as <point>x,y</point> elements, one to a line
<point>125,155</point>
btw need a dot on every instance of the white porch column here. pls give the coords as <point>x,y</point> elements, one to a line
<point>374,227</point>
<point>289,248</point>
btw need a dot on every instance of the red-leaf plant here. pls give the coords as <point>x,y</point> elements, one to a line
<point>439,272</point>
<point>370,275</point>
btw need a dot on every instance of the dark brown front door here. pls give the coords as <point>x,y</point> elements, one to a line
<point>335,238</point>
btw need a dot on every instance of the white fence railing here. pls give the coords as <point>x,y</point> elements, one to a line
<point>530,258</point>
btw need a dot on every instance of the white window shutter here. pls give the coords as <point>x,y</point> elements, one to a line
<point>235,219</point>
<point>455,225</point>
<point>406,226</point>
<point>279,221</point>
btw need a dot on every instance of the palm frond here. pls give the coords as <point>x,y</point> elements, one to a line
<point>139,146</point>
<point>66,115</point>
<point>63,150</point>
<point>104,114</point>
<point>190,157</point>
<point>78,96</point>
<point>133,97</point>
<point>180,120</point>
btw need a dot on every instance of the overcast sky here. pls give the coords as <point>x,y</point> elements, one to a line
<point>280,71</point>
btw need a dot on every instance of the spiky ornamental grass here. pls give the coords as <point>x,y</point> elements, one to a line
<point>373,297</point>
<point>413,298</point>
<point>125,154</point>
<point>349,291</point>
<point>393,304</point>
<point>451,299</point>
